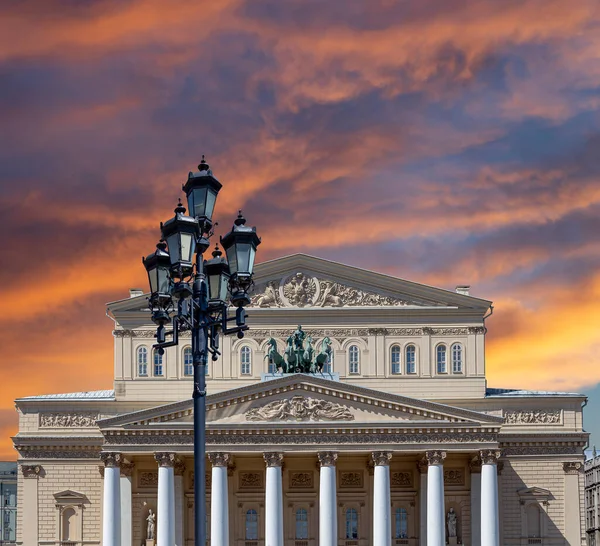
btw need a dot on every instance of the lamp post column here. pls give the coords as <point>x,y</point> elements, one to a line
<point>382,514</point>
<point>219,503</point>
<point>490,525</point>
<point>165,535</point>
<point>436,524</point>
<point>274,500</point>
<point>327,499</point>
<point>111,514</point>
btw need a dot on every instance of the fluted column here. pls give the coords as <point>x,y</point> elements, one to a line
<point>274,500</point>
<point>436,525</point>
<point>165,524</point>
<point>179,470</point>
<point>327,499</point>
<point>111,507</point>
<point>382,511</point>
<point>475,467</point>
<point>490,524</point>
<point>219,503</point>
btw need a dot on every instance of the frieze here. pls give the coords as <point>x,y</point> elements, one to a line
<point>541,450</point>
<point>301,480</point>
<point>59,453</point>
<point>351,479</point>
<point>454,476</point>
<point>299,408</point>
<point>251,480</point>
<point>449,331</point>
<point>532,417</point>
<point>148,479</point>
<point>68,420</point>
<point>401,479</point>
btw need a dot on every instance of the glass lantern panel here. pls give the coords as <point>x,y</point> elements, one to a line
<point>198,200</point>
<point>232,259</point>
<point>213,286</point>
<point>163,280</point>
<point>187,247</point>
<point>174,250</point>
<point>211,197</point>
<point>224,287</point>
<point>245,255</point>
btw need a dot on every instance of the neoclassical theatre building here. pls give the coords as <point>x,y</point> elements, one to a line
<point>398,440</point>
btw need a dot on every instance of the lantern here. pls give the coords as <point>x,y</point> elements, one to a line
<point>201,190</point>
<point>217,276</point>
<point>181,233</point>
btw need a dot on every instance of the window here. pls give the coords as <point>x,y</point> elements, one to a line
<point>301,524</point>
<point>351,523</point>
<point>411,359</point>
<point>251,525</point>
<point>158,363</point>
<point>457,359</point>
<point>188,361</point>
<point>142,361</point>
<point>441,359</point>
<point>401,523</point>
<point>354,359</point>
<point>396,359</point>
<point>328,366</point>
<point>246,360</point>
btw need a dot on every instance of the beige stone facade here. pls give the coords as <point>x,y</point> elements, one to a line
<point>407,377</point>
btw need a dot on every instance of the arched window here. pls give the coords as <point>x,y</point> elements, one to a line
<point>441,359</point>
<point>457,358</point>
<point>251,525</point>
<point>188,361</point>
<point>354,359</point>
<point>401,523</point>
<point>351,523</point>
<point>411,359</point>
<point>158,363</point>
<point>142,361</point>
<point>246,360</point>
<point>328,366</point>
<point>301,524</point>
<point>396,364</point>
<point>533,521</point>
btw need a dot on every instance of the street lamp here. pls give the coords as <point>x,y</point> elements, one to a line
<point>191,293</point>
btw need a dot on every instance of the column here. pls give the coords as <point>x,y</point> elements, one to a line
<point>475,466</point>
<point>126,506</point>
<point>327,499</point>
<point>490,525</point>
<point>165,510</point>
<point>179,470</point>
<point>436,524</point>
<point>382,509</point>
<point>573,471</point>
<point>422,468</point>
<point>29,503</point>
<point>111,506</point>
<point>274,500</point>
<point>219,503</point>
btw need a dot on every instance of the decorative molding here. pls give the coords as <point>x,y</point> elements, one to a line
<point>344,333</point>
<point>435,457</point>
<point>351,479</point>
<point>401,479</point>
<point>31,470</point>
<point>475,465</point>
<point>165,459</point>
<point>273,458</point>
<point>148,479</point>
<point>179,467</point>
<point>207,480</point>
<point>454,476</point>
<point>110,460</point>
<point>219,458</point>
<point>381,458</point>
<point>301,480</point>
<point>300,408</point>
<point>477,330</point>
<point>251,480</point>
<point>127,468</point>
<point>532,417</point>
<point>327,458</point>
<point>449,331</point>
<point>573,467</point>
<point>422,465</point>
<point>541,450</point>
<point>489,456</point>
<point>68,420</point>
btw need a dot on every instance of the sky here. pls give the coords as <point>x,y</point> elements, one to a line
<point>442,141</point>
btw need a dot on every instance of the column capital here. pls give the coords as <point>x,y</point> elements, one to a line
<point>31,470</point>
<point>165,459</point>
<point>327,458</point>
<point>381,458</point>
<point>435,457</point>
<point>475,464</point>
<point>422,465</point>
<point>489,456</point>
<point>273,458</point>
<point>179,467</point>
<point>572,467</point>
<point>111,459</point>
<point>219,459</point>
<point>127,468</point>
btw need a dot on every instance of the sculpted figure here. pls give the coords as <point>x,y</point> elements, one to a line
<point>151,519</point>
<point>451,520</point>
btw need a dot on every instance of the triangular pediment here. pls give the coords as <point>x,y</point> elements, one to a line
<point>70,495</point>
<point>300,400</point>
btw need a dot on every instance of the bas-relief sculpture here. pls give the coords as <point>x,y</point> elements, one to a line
<point>299,408</point>
<point>68,420</point>
<point>532,417</point>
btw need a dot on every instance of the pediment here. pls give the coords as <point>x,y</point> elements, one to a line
<point>70,496</point>
<point>535,493</point>
<point>304,400</point>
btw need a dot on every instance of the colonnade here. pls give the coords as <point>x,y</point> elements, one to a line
<point>435,515</point>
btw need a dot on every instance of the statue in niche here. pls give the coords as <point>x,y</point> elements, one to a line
<point>451,520</point>
<point>151,525</point>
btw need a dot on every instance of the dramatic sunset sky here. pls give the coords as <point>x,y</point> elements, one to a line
<point>443,141</point>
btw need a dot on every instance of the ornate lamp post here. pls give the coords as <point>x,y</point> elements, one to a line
<point>191,294</point>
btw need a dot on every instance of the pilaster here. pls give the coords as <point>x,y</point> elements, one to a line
<point>31,475</point>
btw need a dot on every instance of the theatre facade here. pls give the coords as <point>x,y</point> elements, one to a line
<point>396,440</point>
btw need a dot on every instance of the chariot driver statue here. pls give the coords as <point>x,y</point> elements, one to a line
<point>299,336</point>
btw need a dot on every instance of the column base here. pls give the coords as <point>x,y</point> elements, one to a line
<point>452,541</point>
<point>150,542</point>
